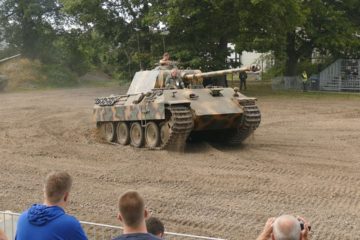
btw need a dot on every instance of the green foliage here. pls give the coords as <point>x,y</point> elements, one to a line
<point>59,76</point>
<point>293,29</point>
<point>122,36</point>
<point>36,29</point>
<point>199,30</point>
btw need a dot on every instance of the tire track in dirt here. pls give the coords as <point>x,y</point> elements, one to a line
<point>300,161</point>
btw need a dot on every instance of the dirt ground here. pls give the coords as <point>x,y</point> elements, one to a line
<point>303,160</point>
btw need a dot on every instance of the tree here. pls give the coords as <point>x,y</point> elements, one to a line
<point>200,30</point>
<point>30,25</point>
<point>293,29</point>
<point>127,43</point>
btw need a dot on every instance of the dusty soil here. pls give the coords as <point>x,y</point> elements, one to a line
<point>303,160</point>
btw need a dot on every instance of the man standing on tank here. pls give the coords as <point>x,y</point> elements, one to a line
<point>173,80</point>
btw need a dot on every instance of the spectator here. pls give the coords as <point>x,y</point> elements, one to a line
<point>49,221</point>
<point>155,227</point>
<point>304,78</point>
<point>285,227</point>
<point>243,77</point>
<point>132,215</point>
<point>2,235</point>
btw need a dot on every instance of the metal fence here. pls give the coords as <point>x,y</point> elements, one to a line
<point>286,83</point>
<point>342,75</point>
<point>94,231</point>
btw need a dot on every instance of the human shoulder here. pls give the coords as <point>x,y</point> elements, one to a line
<point>69,222</point>
<point>70,219</point>
<point>137,236</point>
<point>73,226</point>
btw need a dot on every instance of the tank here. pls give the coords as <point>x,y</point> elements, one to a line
<point>153,116</point>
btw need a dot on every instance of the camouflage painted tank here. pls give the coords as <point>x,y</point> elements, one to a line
<point>153,116</point>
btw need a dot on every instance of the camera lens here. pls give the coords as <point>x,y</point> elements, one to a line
<point>301,225</point>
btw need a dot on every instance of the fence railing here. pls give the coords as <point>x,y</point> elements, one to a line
<point>286,83</point>
<point>94,231</point>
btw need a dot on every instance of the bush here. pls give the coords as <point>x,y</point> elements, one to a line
<point>59,76</point>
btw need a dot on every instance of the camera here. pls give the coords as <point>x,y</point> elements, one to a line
<point>302,225</point>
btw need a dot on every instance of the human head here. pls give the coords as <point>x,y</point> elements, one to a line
<point>57,187</point>
<point>174,72</point>
<point>132,209</point>
<point>155,226</point>
<point>286,227</point>
<point>166,56</point>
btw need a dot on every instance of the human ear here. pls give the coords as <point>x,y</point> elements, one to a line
<point>119,217</point>
<point>146,214</point>
<point>66,197</point>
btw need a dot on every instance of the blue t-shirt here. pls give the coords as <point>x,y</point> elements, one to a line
<point>42,222</point>
<point>137,236</point>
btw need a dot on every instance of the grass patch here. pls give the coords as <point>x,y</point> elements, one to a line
<point>24,74</point>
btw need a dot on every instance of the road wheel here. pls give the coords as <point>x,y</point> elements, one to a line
<point>137,135</point>
<point>165,131</point>
<point>123,133</point>
<point>152,135</point>
<point>108,130</point>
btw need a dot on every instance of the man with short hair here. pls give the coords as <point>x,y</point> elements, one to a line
<point>132,214</point>
<point>155,227</point>
<point>174,81</point>
<point>49,221</point>
<point>285,227</point>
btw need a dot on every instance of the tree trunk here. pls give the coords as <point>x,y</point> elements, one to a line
<point>291,56</point>
<point>223,50</point>
<point>28,32</point>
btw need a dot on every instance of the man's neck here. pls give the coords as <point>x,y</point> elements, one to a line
<point>140,229</point>
<point>59,204</point>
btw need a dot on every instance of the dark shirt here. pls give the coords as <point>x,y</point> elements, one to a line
<point>137,236</point>
<point>243,76</point>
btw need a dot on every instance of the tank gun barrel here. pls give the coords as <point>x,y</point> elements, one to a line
<point>215,73</point>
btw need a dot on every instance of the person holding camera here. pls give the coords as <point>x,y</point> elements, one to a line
<point>285,227</point>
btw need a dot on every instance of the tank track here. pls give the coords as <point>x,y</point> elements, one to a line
<point>181,125</point>
<point>251,120</point>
